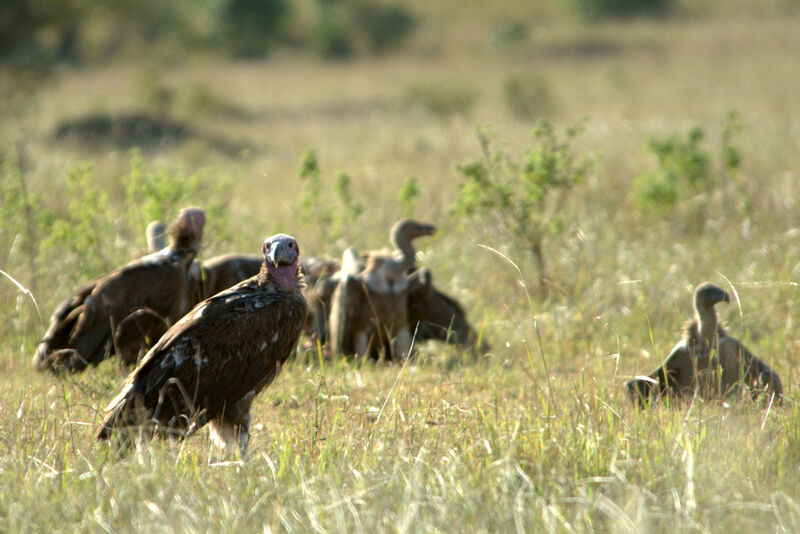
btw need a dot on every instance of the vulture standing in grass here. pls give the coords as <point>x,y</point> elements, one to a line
<point>83,327</point>
<point>209,366</point>
<point>370,306</point>
<point>707,359</point>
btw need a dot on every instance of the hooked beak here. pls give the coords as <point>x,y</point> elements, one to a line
<point>280,254</point>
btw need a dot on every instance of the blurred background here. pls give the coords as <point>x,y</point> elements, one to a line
<point>330,119</point>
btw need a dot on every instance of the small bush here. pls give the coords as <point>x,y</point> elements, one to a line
<point>524,198</point>
<point>332,219</point>
<point>251,27</point>
<point>688,173</point>
<point>331,40</point>
<point>510,34</point>
<point>442,99</point>
<point>591,10</point>
<point>409,195</point>
<point>345,27</point>
<point>528,97</point>
<point>384,27</point>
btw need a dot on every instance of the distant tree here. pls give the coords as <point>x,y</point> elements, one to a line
<point>252,27</point>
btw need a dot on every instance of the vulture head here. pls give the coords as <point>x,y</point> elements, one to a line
<point>156,236</point>
<point>187,230</point>
<point>708,294</point>
<point>281,252</point>
<point>403,232</point>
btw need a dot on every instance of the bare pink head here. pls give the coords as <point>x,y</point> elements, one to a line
<point>281,252</point>
<point>195,220</point>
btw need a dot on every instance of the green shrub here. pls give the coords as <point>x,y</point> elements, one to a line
<point>345,27</point>
<point>523,198</point>
<point>384,27</point>
<point>591,10</point>
<point>330,39</point>
<point>687,174</point>
<point>409,195</point>
<point>510,34</point>
<point>683,168</point>
<point>252,27</point>
<point>333,219</point>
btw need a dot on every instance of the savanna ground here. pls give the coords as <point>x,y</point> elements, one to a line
<point>536,434</point>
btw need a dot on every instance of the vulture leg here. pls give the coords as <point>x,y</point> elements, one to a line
<point>347,299</point>
<point>420,291</point>
<point>232,427</point>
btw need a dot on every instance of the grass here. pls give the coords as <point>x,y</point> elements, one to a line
<point>535,435</point>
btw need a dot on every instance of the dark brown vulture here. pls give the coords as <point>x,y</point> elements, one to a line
<point>210,365</point>
<point>445,320</point>
<point>706,359</point>
<point>222,272</point>
<point>83,327</point>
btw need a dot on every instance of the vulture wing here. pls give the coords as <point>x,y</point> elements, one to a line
<point>158,283</point>
<point>62,322</point>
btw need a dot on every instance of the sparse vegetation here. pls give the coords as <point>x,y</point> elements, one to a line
<point>524,199</point>
<point>687,174</point>
<point>534,436</point>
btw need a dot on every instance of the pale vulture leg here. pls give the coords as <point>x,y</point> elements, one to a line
<point>362,343</point>
<point>233,426</point>
<point>401,344</point>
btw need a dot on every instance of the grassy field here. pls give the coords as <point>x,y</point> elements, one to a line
<point>535,435</point>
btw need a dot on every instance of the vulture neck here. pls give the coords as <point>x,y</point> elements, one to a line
<point>402,242</point>
<point>706,322</point>
<point>264,279</point>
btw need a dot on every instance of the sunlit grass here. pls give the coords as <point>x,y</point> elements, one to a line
<point>536,435</point>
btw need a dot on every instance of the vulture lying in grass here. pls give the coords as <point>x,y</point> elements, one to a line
<point>83,327</point>
<point>209,366</point>
<point>707,360</point>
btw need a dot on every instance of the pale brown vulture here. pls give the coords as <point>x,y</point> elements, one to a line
<point>707,359</point>
<point>83,327</point>
<point>210,365</point>
<point>156,234</point>
<point>369,310</point>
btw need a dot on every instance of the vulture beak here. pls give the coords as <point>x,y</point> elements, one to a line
<point>281,254</point>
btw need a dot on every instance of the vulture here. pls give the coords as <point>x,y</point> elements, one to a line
<point>209,366</point>
<point>370,307</point>
<point>156,234</point>
<point>221,272</point>
<point>706,359</point>
<point>83,328</point>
